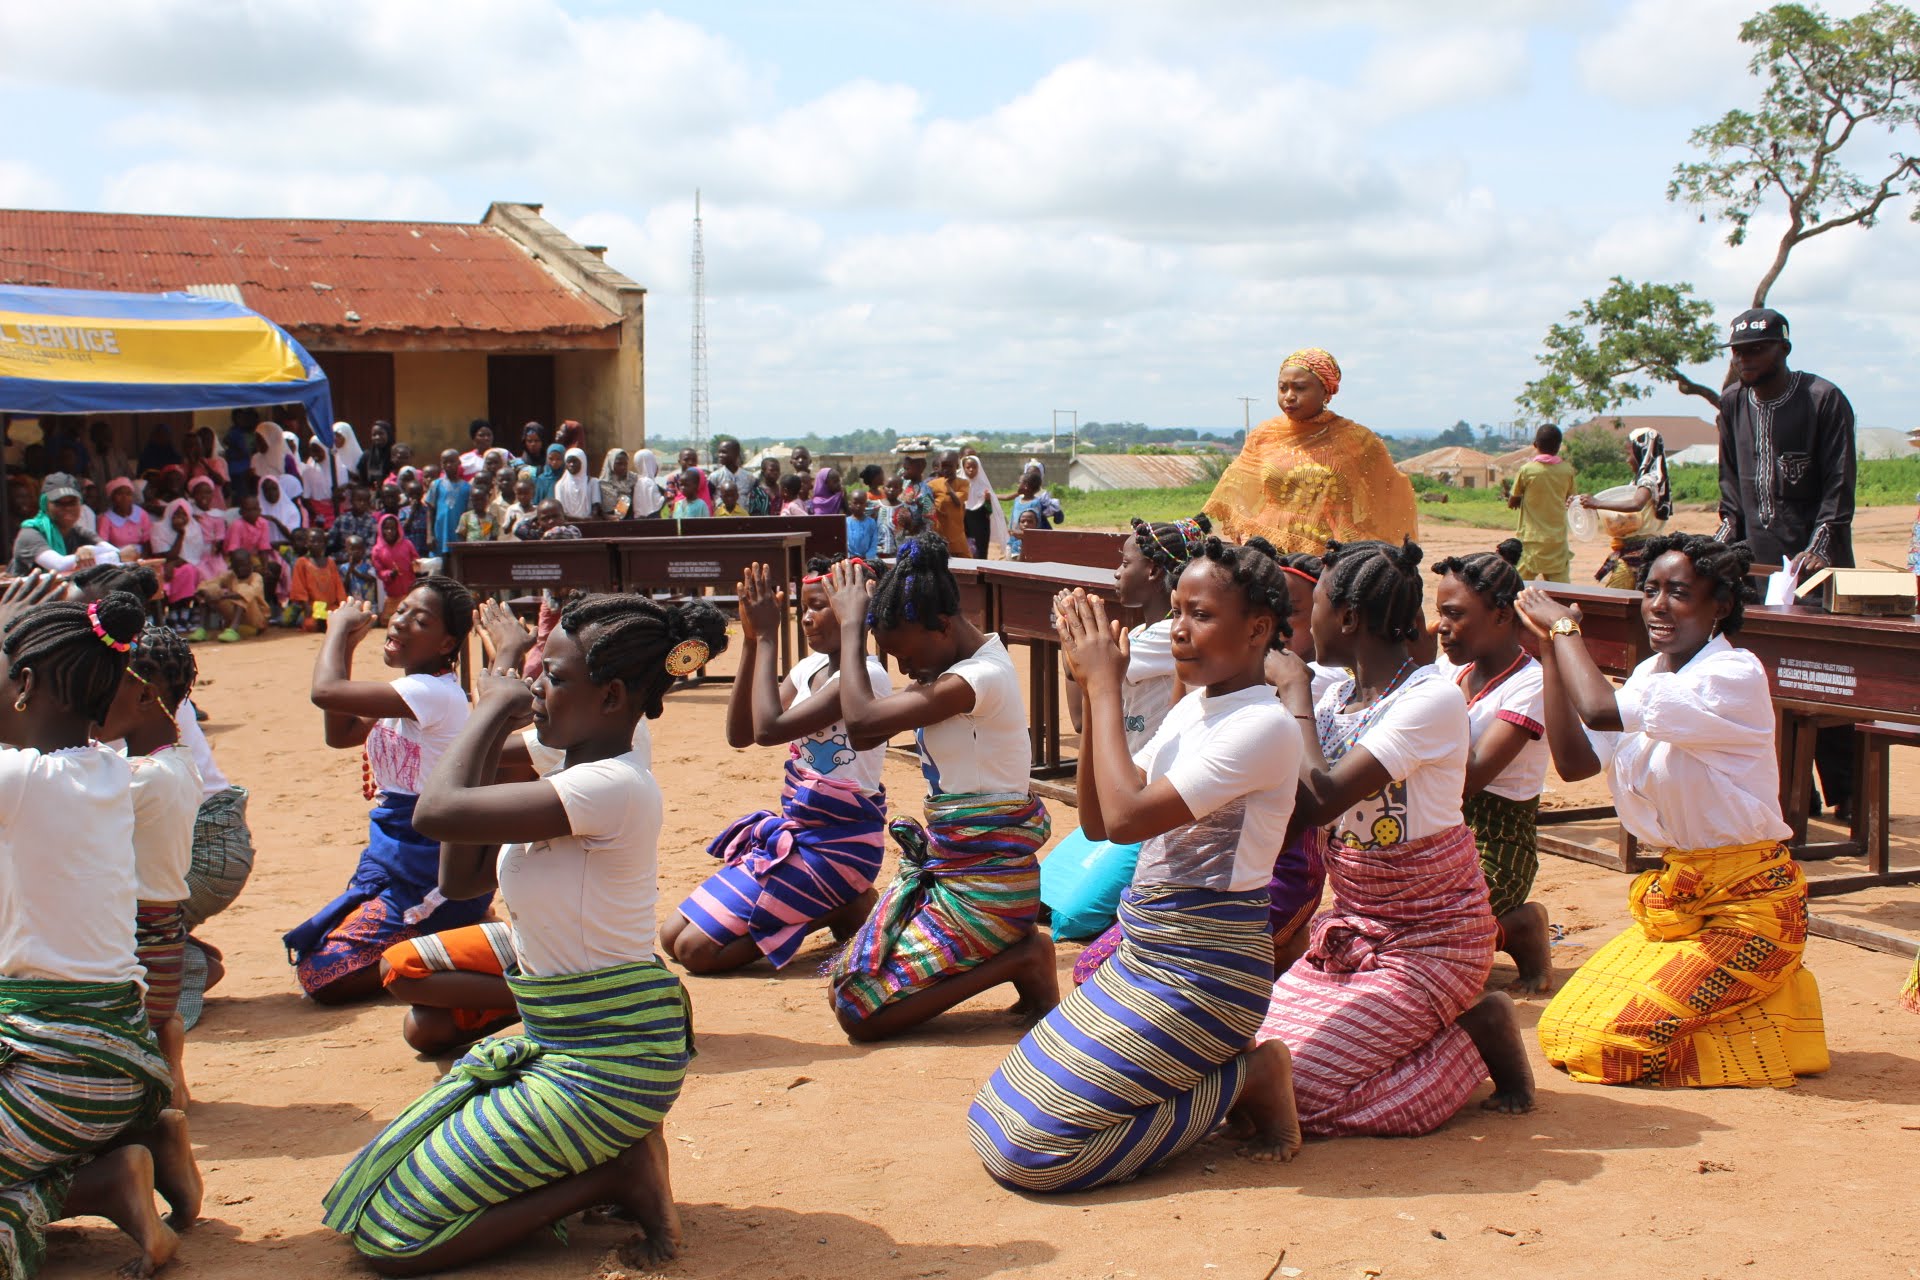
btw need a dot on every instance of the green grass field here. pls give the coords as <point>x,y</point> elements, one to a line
<point>1878,483</point>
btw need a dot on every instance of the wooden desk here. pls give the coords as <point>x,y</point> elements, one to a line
<point>556,564</point>
<point>826,535</point>
<point>1023,613</point>
<point>976,597</point>
<point>1085,547</point>
<point>718,561</point>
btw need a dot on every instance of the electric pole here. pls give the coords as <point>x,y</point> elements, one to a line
<point>1246,412</point>
<point>697,421</point>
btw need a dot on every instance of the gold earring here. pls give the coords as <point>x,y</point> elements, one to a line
<point>20,703</point>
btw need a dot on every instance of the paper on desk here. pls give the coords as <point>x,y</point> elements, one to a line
<point>1780,585</point>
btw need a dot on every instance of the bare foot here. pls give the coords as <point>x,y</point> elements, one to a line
<point>1037,978</point>
<point>845,920</point>
<point>1530,943</point>
<point>1267,1118</point>
<point>1495,1030</point>
<point>176,1175</point>
<point>649,1202</point>
<point>118,1186</point>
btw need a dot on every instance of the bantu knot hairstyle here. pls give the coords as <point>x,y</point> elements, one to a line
<point>818,566</point>
<point>164,661</point>
<point>78,667</point>
<point>1489,574</point>
<point>1303,563</point>
<point>919,588</point>
<point>1724,564</point>
<point>136,580</point>
<point>632,636</point>
<point>1169,546</point>
<point>1379,580</point>
<point>1259,578</point>
<point>456,608</point>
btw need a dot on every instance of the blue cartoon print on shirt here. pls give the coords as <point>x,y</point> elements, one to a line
<point>824,755</point>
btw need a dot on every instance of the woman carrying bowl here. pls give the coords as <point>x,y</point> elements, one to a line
<point>1634,513</point>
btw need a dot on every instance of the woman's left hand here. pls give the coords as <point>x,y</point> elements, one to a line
<point>849,592</point>
<point>1539,611</point>
<point>1095,649</point>
<point>24,593</point>
<point>510,697</point>
<point>1292,680</point>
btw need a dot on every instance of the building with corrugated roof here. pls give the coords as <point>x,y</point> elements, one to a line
<point>1092,472</point>
<point>426,324</point>
<point>1677,430</point>
<point>1454,465</point>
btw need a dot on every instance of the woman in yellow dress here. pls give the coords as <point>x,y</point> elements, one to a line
<point>1708,985</point>
<point>1310,476</point>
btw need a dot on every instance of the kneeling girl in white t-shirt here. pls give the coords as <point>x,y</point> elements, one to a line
<point>579,1098</point>
<point>959,917</point>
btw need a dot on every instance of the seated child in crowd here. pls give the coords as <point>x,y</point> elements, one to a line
<point>239,597</point>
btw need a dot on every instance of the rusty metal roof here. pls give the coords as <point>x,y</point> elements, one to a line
<point>307,274</point>
<point>1138,470</point>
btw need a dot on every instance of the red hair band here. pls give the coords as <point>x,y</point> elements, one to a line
<point>1301,574</point>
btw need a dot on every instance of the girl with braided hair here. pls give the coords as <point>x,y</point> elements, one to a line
<point>1151,1053</point>
<point>1479,635</point>
<point>1081,879</point>
<point>402,727</point>
<point>569,1112</point>
<point>83,1129</point>
<point>1383,1015</point>
<point>166,798</point>
<point>1707,987</point>
<point>959,917</point>
<point>811,865</point>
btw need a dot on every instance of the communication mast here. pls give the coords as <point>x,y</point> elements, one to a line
<point>698,419</point>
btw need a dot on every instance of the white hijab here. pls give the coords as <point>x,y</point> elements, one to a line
<point>346,449</point>
<point>980,494</point>
<point>286,511</point>
<point>647,498</point>
<point>575,492</point>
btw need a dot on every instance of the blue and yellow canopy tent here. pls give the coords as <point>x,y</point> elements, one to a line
<point>77,351</point>
<point>89,351</point>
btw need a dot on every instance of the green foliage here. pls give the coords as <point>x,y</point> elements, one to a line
<point>1595,359</point>
<point>1593,447</point>
<point>1826,83</point>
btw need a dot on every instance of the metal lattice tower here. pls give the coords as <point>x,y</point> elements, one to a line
<point>697,421</point>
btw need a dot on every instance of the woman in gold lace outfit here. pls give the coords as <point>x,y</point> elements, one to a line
<point>1310,475</point>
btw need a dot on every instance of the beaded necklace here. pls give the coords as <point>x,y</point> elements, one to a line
<point>1487,688</point>
<point>1337,739</point>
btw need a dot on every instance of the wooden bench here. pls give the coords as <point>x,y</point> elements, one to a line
<point>1873,803</point>
<point>1084,547</point>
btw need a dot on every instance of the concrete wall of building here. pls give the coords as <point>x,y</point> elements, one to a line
<point>435,395</point>
<point>592,387</point>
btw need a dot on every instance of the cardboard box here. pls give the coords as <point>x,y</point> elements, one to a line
<point>1872,593</point>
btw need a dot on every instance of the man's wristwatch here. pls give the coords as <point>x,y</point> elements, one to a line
<point>1564,627</point>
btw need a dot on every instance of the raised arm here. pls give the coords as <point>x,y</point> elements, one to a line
<point>1587,688</point>
<point>1573,755</point>
<point>351,706</point>
<point>875,719</point>
<point>1324,790</point>
<point>1125,807</point>
<point>765,713</point>
<point>462,807</point>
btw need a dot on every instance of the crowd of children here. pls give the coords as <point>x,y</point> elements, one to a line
<point>1277,727</point>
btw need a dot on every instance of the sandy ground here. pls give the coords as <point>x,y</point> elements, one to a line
<point>799,1155</point>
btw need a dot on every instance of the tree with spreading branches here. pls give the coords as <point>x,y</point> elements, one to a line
<point>1830,85</point>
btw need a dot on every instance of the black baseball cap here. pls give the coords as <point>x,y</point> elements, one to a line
<point>1761,324</point>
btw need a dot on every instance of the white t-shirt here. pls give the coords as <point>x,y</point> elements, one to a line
<point>1235,760</point>
<point>1419,732</point>
<point>1324,678</point>
<point>166,800</point>
<point>67,881</point>
<point>212,781</point>
<point>1520,700</point>
<point>985,752</point>
<point>829,752</point>
<point>586,901</point>
<point>1148,693</point>
<point>402,751</point>
<point>1695,765</point>
<point>548,759</point>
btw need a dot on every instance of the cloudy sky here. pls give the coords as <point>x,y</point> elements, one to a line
<point>961,213</point>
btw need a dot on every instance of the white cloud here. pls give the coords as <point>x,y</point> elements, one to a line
<point>24,187</point>
<point>185,187</point>
<point>1406,76</point>
<point>1660,54</point>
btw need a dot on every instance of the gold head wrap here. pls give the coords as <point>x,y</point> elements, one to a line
<point>1303,484</point>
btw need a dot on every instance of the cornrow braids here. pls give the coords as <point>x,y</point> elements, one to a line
<point>1488,574</point>
<point>1259,578</point>
<point>79,666</point>
<point>820,566</point>
<point>632,636</point>
<point>1303,563</point>
<point>1171,545</point>
<point>919,588</point>
<point>1379,580</point>
<point>456,609</point>
<point>136,580</point>
<point>163,660</point>
<point>1724,563</point>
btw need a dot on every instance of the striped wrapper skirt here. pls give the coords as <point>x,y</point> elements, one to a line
<point>1506,832</point>
<point>1141,1061</point>
<point>222,856</point>
<point>967,889</point>
<point>601,1061</point>
<point>1705,988</point>
<point>78,1067</point>
<point>160,942</point>
<point>786,870</point>
<point>1368,1013</point>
